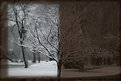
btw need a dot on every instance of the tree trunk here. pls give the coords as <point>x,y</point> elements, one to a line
<point>24,57</point>
<point>38,55</point>
<point>34,58</point>
<point>59,72</point>
<point>10,59</point>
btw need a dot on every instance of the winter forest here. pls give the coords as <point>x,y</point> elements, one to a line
<point>65,40</point>
<point>33,37</point>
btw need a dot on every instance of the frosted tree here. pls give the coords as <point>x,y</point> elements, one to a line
<point>17,16</point>
<point>38,29</point>
<point>43,29</point>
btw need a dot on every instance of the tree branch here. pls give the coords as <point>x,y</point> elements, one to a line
<point>44,46</point>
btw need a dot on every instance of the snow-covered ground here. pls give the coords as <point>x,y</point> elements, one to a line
<point>41,69</point>
<point>49,69</point>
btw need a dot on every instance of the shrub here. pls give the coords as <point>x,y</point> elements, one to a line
<point>75,63</point>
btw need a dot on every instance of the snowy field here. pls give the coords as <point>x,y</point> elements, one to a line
<point>41,69</point>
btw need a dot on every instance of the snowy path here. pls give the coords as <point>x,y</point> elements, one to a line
<point>41,69</point>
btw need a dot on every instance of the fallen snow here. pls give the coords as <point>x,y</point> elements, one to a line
<point>38,69</point>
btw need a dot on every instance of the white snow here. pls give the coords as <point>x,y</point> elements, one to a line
<point>41,69</point>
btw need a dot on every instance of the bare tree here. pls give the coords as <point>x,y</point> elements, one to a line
<point>18,15</point>
<point>39,33</point>
<point>44,31</point>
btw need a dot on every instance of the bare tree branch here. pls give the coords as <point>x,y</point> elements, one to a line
<point>44,46</point>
